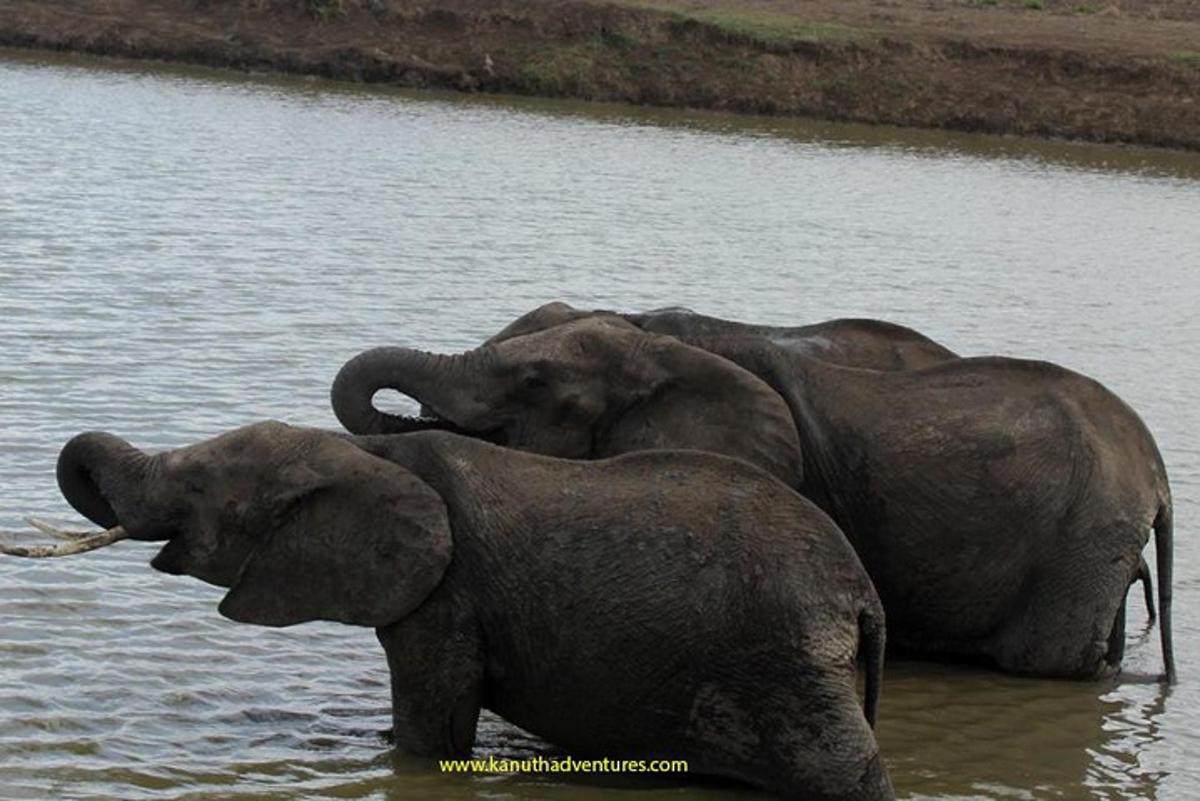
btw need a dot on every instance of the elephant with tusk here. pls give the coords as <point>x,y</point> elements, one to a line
<point>663,604</point>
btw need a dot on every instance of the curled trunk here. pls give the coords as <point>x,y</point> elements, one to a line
<point>434,380</point>
<point>89,467</point>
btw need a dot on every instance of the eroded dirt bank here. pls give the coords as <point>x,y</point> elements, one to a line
<point>1118,72</point>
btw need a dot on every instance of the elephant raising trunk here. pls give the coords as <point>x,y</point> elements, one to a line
<point>85,458</point>
<point>431,377</point>
<point>941,476</point>
<point>585,390</point>
<point>705,566</point>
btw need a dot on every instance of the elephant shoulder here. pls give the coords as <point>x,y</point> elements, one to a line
<point>714,481</point>
<point>695,463</point>
<point>867,326</point>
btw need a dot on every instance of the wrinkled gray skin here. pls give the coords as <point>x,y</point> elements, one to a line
<point>1000,505</point>
<point>658,605</point>
<point>851,342</point>
<point>585,390</point>
<point>872,344</point>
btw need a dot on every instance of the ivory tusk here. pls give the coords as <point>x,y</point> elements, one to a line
<point>76,545</point>
<point>58,533</point>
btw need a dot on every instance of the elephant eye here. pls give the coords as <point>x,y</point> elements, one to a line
<point>533,382</point>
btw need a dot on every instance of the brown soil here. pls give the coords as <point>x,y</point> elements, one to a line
<point>1109,70</point>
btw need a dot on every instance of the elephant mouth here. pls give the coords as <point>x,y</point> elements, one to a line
<point>170,558</point>
<point>430,419</point>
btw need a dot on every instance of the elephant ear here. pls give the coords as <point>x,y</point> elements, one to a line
<point>688,397</point>
<point>354,539</point>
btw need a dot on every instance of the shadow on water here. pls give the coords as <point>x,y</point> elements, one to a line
<point>1076,155</point>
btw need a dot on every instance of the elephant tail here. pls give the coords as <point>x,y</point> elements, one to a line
<point>1143,575</point>
<point>1164,546</point>
<point>871,642</point>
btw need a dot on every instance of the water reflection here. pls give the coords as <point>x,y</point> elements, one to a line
<point>989,727</point>
<point>935,144</point>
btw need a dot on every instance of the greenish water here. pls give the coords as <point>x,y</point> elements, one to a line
<point>183,251</point>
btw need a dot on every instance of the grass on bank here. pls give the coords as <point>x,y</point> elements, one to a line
<point>778,29</point>
<point>772,30</point>
<point>1187,58</point>
<point>762,27</point>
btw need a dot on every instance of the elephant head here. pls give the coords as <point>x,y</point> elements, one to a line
<point>585,389</point>
<point>281,516</point>
<point>552,314</point>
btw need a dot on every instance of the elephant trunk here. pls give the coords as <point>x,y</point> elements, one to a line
<point>1164,546</point>
<point>98,473</point>
<point>436,381</point>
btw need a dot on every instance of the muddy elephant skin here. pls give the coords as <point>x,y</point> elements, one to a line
<point>658,605</point>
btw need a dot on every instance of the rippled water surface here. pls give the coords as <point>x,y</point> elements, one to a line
<point>182,253</point>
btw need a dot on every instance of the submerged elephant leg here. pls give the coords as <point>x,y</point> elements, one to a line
<point>778,734</point>
<point>1116,640</point>
<point>436,661</point>
<point>1070,622</point>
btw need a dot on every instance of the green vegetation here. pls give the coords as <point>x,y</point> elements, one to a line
<point>1085,8</point>
<point>1188,58</point>
<point>1035,5</point>
<point>839,89</point>
<point>326,9</point>
<point>741,64</point>
<point>559,70</point>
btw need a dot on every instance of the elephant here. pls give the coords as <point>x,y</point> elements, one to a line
<point>853,342</point>
<point>673,605</point>
<point>570,391</point>
<point>999,505</point>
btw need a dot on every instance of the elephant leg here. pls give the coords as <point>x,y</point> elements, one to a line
<point>1070,618</point>
<point>435,656</point>
<point>1143,575</point>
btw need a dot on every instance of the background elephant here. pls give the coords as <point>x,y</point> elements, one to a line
<point>873,344</point>
<point>658,605</point>
<point>1000,506</point>
<point>853,342</point>
<point>585,390</point>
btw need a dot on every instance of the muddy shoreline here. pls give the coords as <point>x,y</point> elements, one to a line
<point>1108,79</point>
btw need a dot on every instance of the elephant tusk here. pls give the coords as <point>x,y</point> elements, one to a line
<point>78,542</point>
<point>57,533</point>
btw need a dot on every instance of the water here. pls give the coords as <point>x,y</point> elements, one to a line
<point>183,252</point>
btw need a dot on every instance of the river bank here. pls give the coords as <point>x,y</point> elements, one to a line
<point>1125,71</point>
